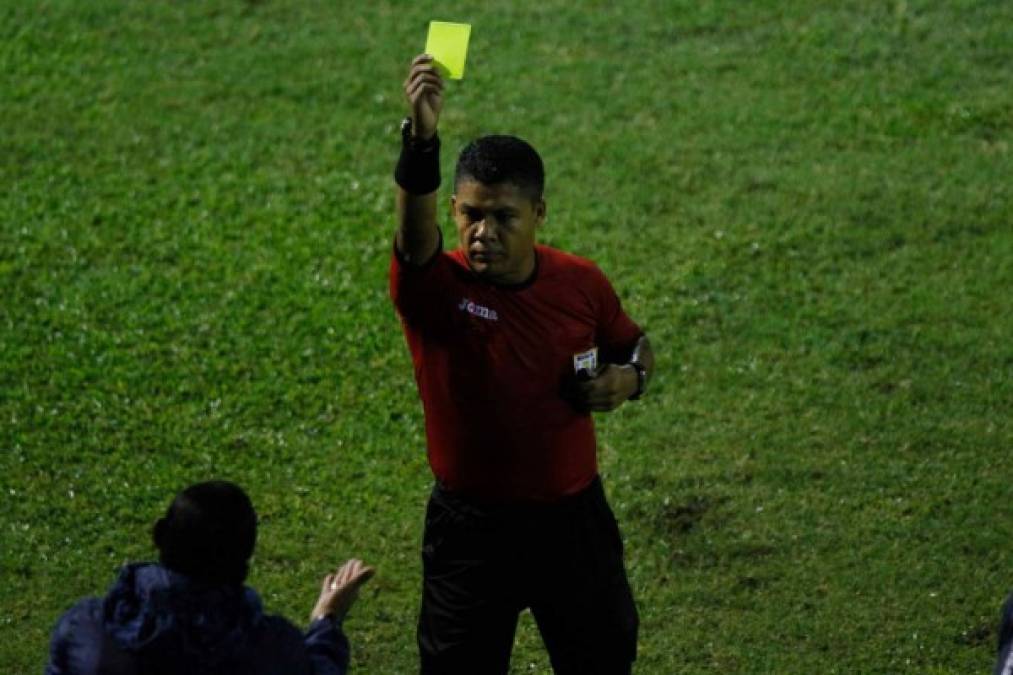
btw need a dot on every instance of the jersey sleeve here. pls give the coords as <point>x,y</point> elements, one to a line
<point>327,647</point>
<point>77,640</point>
<point>414,289</point>
<point>616,332</point>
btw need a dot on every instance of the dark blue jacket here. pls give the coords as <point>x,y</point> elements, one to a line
<point>1004,666</point>
<point>156,621</point>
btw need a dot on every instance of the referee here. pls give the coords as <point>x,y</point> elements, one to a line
<point>513,345</point>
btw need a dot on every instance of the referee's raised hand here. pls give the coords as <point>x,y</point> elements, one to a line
<point>424,89</point>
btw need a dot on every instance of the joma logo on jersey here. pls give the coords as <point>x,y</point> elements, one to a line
<point>470,307</point>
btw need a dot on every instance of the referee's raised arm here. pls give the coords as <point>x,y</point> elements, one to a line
<point>418,169</point>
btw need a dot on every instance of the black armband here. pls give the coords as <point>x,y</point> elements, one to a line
<point>418,167</point>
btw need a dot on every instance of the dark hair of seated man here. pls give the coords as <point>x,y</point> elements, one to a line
<point>208,533</point>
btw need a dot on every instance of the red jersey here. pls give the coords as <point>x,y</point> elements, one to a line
<point>492,363</point>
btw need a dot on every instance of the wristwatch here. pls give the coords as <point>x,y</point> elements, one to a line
<point>641,379</point>
<point>409,140</point>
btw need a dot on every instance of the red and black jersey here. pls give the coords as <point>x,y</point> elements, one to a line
<point>492,364</point>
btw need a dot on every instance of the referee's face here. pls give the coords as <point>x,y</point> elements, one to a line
<point>496,229</point>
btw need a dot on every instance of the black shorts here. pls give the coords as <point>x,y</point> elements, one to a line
<point>482,565</point>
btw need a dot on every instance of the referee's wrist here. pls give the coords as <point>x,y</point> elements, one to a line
<point>640,379</point>
<point>420,137</point>
<point>418,140</point>
<point>418,167</point>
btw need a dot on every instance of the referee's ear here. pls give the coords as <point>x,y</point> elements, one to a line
<point>540,210</point>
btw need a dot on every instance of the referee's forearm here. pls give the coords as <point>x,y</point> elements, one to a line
<point>417,177</point>
<point>417,234</point>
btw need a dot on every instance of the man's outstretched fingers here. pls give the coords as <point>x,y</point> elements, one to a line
<point>340,589</point>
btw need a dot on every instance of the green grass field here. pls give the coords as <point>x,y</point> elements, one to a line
<point>806,204</point>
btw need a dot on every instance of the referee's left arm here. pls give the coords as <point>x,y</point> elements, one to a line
<point>614,384</point>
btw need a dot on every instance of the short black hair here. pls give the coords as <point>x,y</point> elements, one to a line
<point>208,533</point>
<point>502,159</point>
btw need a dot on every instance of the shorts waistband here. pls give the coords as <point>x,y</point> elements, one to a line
<point>466,504</point>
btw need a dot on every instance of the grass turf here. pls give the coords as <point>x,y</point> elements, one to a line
<point>806,204</point>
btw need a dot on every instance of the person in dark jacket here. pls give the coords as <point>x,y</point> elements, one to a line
<point>1004,665</point>
<point>191,614</point>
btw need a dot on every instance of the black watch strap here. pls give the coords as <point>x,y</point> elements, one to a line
<point>412,142</point>
<point>641,379</point>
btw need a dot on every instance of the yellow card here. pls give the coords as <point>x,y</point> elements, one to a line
<point>448,45</point>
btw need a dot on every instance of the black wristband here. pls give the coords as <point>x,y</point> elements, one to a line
<point>418,167</point>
